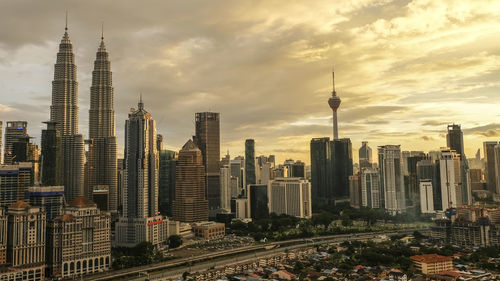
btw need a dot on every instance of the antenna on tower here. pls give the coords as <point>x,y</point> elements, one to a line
<point>66,26</point>
<point>102,30</point>
<point>333,79</point>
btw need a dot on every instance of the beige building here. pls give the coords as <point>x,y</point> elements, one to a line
<point>79,242</point>
<point>209,230</point>
<point>132,231</point>
<point>291,196</point>
<point>432,264</point>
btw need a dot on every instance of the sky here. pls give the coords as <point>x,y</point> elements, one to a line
<point>403,69</point>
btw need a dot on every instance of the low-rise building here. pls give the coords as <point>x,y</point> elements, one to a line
<point>430,264</point>
<point>209,230</point>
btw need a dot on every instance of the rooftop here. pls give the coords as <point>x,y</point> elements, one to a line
<point>82,201</point>
<point>431,258</point>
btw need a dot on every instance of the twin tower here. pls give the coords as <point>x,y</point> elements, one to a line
<point>101,165</point>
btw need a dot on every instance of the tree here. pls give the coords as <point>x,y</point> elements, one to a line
<point>174,241</point>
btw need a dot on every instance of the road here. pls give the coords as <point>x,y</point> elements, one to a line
<point>203,262</point>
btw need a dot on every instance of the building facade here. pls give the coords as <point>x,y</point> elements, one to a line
<point>291,196</point>
<point>190,204</point>
<point>250,175</point>
<point>13,131</point>
<point>14,181</point>
<point>50,198</point>
<point>258,201</point>
<point>208,141</point>
<point>370,188</point>
<point>79,241</point>
<point>64,112</point>
<point>102,161</point>
<point>489,171</point>
<point>391,178</point>
<point>51,159</point>
<point>166,181</point>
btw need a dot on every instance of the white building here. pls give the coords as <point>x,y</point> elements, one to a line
<point>370,188</point>
<point>225,187</point>
<point>241,209</point>
<point>291,196</point>
<point>426,197</point>
<point>449,167</point>
<point>391,178</point>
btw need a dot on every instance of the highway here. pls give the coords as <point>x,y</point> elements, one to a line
<point>203,262</point>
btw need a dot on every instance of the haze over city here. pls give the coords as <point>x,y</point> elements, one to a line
<point>404,69</point>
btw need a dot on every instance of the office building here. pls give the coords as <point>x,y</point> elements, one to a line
<point>51,160</point>
<point>166,183</point>
<point>291,196</point>
<point>140,221</point>
<point>426,197</point>
<point>449,167</point>
<point>79,241</point>
<point>355,192</point>
<point>207,139</point>
<point>238,172</point>
<point>489,170</point>
<point>370,188</point>
<point>365,156</point>
<point>342,168</point>
<point>428,170</point>
<point>391,178</point>
<point>225,187</point>
<point>14,181</point>
<point>209,230</point>
<point>240,207</point>
<point>258,201</point>
<point>102,161</point>
<point>455,141</point>
<point>13,131</point>
<point>321,182</point>
<point>190,204</point>
<point>64,112</point>
<point>50,198</point>
<point>250,176</point>
<point>26,231</point>
<point>296,169</point>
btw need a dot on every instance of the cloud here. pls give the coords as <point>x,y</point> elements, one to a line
<point>427,138</point>
<point>489,133</point>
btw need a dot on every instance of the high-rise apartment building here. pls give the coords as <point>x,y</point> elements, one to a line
<point>190,204</point>
<point>355,192</point>
<point>391,178</point>
<point>370,188</point>
<point>426,197</point>
<point>13,131</point>
<point>455,141</point>
<point>250,176</point>
<point>489,171</point>
<point>166,185</point>
<point>102,161</point>
<point>428,171</point>
<point>79,241</point>
<point>140,221</point>
<point>365,155</point>
<point>225,187</point>
<point>291,196</point>
<point>208,141</point>
<point>14,181</point>
<point>51,160</point>
<point>449,167</point>
<point>64,112</point>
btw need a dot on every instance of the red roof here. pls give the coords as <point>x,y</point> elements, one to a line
<point>20,205</point>
<point>82,201</point>
<point>431,258</point>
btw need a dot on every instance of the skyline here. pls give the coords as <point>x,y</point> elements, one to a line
<point>233,61</point>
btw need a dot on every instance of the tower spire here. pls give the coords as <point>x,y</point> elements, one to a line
<point>102,30</point>
<point>66,26</point>
<point>333,81</point>
<point>141,104</point>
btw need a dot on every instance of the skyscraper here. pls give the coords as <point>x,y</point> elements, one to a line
<point>321,181</point>
<point>250,177</point>
<point>208,141</point>
<point>370,188</point>
<point>291,196</point>
<point>14,181</point>
<point>365,155</point>
<point>1,138</point>
<point>342,167</point>
<point>13,131</point>
<point>258,201</point>
<point>497,168</point>
<point>449,167</point>
<point>489,158</point>
<point>140,221</point>
<point>64,112</point>
<point>225,187</point>
<point>190,204</point>
<point>166,183</point>
<point>51,161</point>
<point>141,160</point>
<point>102,162</point>
<point>455,141</point>
<point>334,103</point>
<point>391,178</point>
